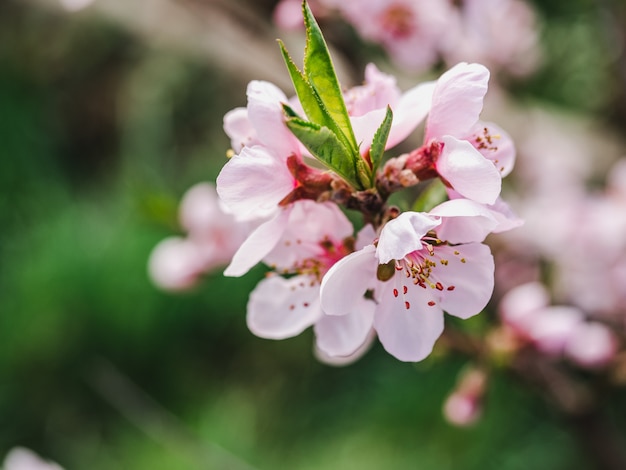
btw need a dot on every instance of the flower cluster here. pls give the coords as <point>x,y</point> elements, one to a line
<point>294,179</point>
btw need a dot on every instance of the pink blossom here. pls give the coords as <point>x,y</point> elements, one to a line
<point>314,238</point>
<point>409,30</point>
<point>559,331</point>
<point>591,345</point>
<point>412,276</point>
<point>466,153</point>
<point>367,105</point>
<point>463,406</point>
<point>502,34</point>
<point>288,13</point>
<point>213,236</point>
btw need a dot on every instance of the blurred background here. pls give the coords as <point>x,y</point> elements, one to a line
<point>109,111</point>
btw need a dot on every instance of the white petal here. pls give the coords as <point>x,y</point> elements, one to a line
<point>410,333</point>
<point>469,173</point>
<point>457,101</point>
<point>280,308</point>
<point>467,279</point>
<point>252,183</point>
<point>403,235</point>
<point>464,221</point>
<point>258,244</point>
<point>348,280</point>
<point>343,335</point>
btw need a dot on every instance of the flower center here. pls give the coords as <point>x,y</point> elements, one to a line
<point>420,269</point>
<point>330,253</point>
<point>398,20</point>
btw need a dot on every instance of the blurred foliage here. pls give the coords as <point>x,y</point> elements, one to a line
<point>101,134</point>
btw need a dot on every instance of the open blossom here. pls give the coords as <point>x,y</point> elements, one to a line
<point>316,236</point>
<point>469,155</point>
<point>422,265</point>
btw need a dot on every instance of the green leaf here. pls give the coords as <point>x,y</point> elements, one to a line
<point>320,73</point>
<point>325,146</point>
<point>306,94</point>
<point>380,140</point>
<point>310,100</point>
<point>434,194</point>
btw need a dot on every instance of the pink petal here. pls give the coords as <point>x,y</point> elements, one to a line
<point>379,91</point>
<point>258,244</point>
<point>280,308</point>
<point>175,264</point>
<point>365,127</point>
<point>240,130</point>
<point>410,111</point>
<point>467,278</point>
<point>464,221</point>
<point>349,359</point>
<point>469,173</point>
<point>199,209</point>
<point>520,303</point>
<point>266,115</point>
<point>310,223</point>
<point>347,281</point>
<point>457,101</point>
<point>252,183</point>
<point>343,335</point>
<point>553,326</point>
<point>507,219</point>
<point>409,334</point>
<point>403,235</point>
<point>365,236</point>
<point>591,345</point>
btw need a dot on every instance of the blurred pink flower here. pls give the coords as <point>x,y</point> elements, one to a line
<point>558,331</point>
<point>463,406</point>
<point>20,458</point>
<point>409,30</point>
<point>213,236</point>
<point>502,34</point>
